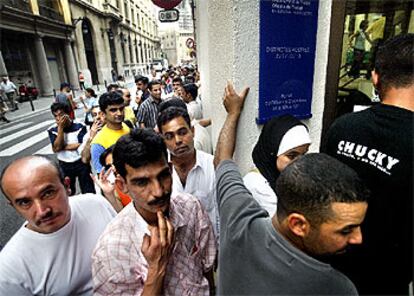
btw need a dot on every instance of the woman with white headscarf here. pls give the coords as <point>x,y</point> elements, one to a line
<point>281,141</point>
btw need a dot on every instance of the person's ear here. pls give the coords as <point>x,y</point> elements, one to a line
<point>120,184</point>
<point>192,130</point>
<point>298,224</point>
<point>375,78</point>
<point>66,183</point>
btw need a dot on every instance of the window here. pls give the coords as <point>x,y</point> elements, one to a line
<point>367,24</point>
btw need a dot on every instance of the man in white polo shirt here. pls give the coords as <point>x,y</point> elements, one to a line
<point>9,89</point>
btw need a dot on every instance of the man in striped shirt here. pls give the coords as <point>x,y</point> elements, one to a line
<point>148,111</point>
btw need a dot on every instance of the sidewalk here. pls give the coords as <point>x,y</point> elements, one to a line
<point>40,104</point>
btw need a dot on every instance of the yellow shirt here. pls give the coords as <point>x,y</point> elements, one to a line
<point>107,137</point>
<point>129,115</point>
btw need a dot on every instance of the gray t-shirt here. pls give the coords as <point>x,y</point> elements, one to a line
<point>254,258</point>
<point>62,98</point>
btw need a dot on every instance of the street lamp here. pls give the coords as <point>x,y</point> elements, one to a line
<point>85,29</point>
<point>77,20</point>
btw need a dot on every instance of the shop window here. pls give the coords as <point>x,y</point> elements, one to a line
<point>367,25</point>
<point>358,27</point>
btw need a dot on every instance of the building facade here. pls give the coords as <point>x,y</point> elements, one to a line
<point>36,43</point>
<point>46,42</point>
<point>228,48</point>
<point>114,37</point>
<point>175,37</point>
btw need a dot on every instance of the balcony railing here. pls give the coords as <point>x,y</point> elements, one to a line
<point>18,4</point>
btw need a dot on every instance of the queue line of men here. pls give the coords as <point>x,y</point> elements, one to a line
<point>164,242</point>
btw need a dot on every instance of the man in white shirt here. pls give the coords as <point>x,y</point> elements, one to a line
<point>51,253</point>
<point>189,94</point>
<point>193,170</point>
<point>9,89</point>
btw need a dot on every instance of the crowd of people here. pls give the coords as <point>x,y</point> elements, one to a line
<point>159,214</point>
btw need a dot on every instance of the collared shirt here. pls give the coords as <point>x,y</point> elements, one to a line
<point>74,134</point>
<point>119,267</point>
<point>8,87</point>
<point>194,110</point>
<point>201,184</point>
<point>148,112</point>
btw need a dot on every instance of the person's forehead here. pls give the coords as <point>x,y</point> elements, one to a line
<point>174,125</point>
<point>150,170</point>
<point>37,174</point>
<point>343,213</point>
<point>115,106</point>
<point>58,112</point>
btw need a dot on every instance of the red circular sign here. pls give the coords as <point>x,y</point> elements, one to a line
<point>166,4</point>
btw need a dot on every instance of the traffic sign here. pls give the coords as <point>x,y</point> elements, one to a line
<point>170,15</point>
<point>189,42</point>
<point>166,4</point>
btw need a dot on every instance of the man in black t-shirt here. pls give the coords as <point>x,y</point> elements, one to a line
<point>378,144</point>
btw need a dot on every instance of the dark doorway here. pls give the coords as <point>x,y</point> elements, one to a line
<point>112,50</point>
<point>89,49</point>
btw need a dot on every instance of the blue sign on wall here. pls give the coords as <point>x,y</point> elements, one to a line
<point>287,57</point>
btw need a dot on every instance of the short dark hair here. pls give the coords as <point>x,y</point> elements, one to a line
<point>111,86</point>
<point>110,98</point>
<point>312,183</point>
<point>105,154</point>
<point>394,63</point>
<point>60,106</point>
<point>169,114</point>
<point>64,84</point>
<point>143,79</point>
<point>91,91</point>
<point>52,162</point>
<point>153,82</point>
<point>138,148</point>
<point>174,102</point>
<point>192,89</point>
<point>178,79</point>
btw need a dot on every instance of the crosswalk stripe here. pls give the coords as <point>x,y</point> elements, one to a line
<point>45,150</point>
<point>26,131</point>
<point>24,144</point>
<point>14,127</point>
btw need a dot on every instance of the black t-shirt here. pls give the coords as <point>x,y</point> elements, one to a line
<point>378,144</point>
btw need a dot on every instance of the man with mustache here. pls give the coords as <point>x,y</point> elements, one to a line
<point>321,205</point>
<point>51,253</point>
<point>112,107</point>
<point>193,170</point>
<point>161,243</point>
